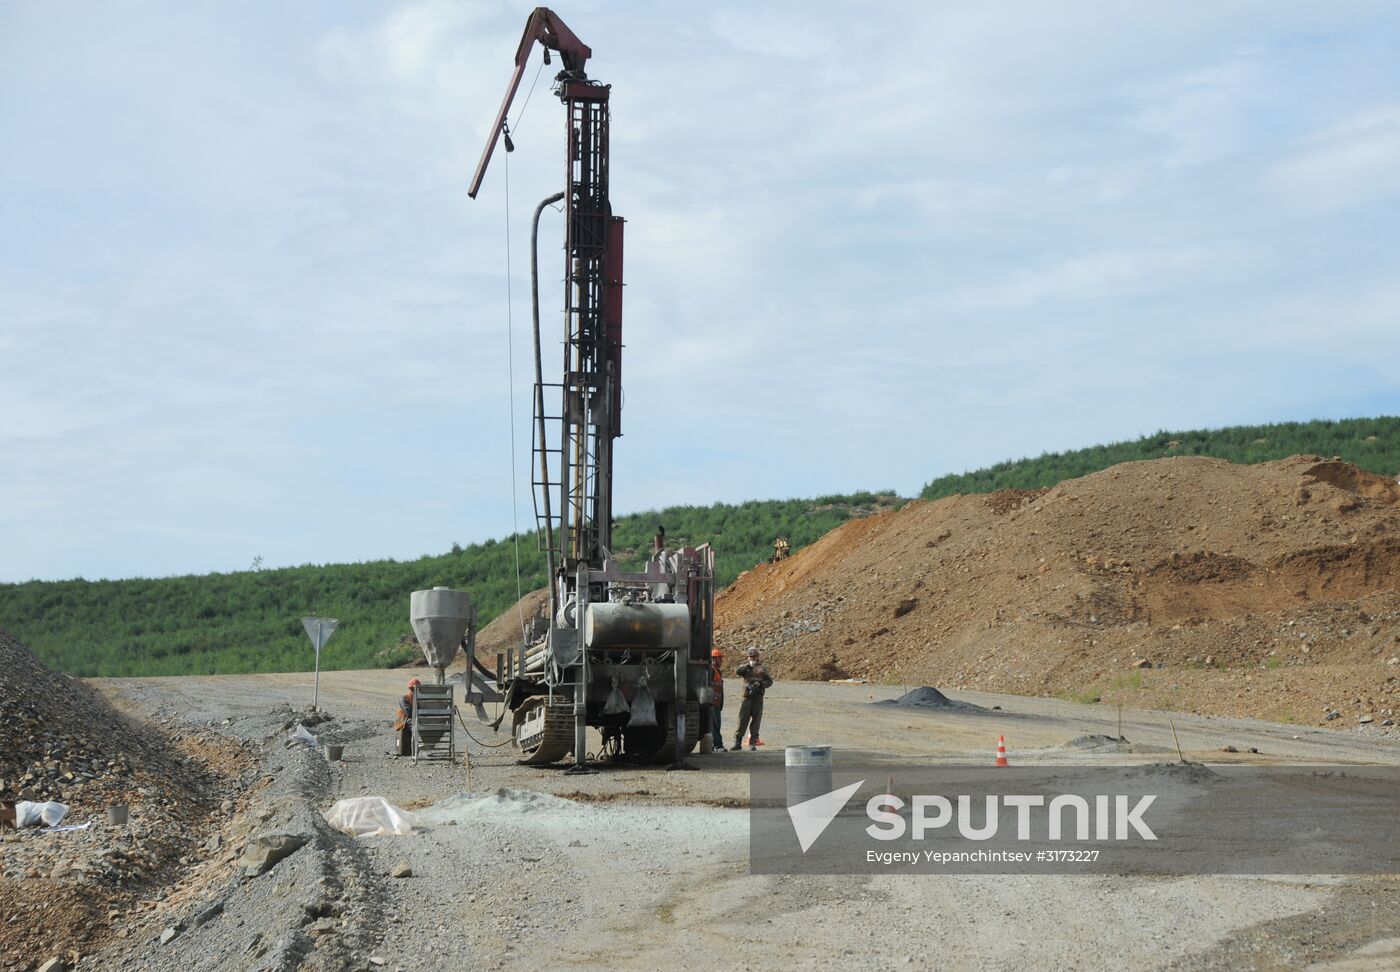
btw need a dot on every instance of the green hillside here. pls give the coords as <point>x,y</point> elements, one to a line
<point>1372,443</point>
<point>250,621</point>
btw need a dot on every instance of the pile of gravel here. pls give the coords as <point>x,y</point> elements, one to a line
<point>928,697</point>
<point>64,742</point>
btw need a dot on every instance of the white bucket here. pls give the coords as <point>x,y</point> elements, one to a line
<point>808,772</point>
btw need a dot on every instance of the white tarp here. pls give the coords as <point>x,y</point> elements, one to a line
<point>29,814</point>
<point>370,817</point>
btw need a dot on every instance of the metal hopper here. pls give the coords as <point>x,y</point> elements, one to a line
<point>442,618</point>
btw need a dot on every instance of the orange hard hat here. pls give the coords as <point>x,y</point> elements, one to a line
<point>717,653</point>
<point>413,682</point>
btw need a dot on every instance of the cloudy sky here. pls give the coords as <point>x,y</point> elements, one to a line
<point>247,310</point>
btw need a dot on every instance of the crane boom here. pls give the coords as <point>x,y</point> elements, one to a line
<point>553,34</point>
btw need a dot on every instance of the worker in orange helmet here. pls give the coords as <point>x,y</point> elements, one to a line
<point>717,702</point>
<point>403,719</point>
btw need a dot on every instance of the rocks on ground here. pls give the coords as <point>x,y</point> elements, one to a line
<point>1185,583</point>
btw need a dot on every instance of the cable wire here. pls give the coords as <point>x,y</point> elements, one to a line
<point>510,378</point>
<point>521,114</point>
<point>484,745</point>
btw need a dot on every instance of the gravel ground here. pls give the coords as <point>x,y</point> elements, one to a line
<point>632,868</point>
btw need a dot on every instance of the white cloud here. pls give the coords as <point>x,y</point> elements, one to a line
<point>1351,163</point>
<point>864,246</point>
<point>1207,114</point>
<point>1105,275</point>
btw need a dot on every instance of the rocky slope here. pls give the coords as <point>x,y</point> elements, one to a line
<point>62,894</point>
<point>1270,590</point>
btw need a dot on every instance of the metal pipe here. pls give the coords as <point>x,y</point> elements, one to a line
<point>682,677</point>
<point>539,390</point>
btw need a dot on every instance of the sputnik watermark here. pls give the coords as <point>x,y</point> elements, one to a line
<point>1168,818</point>
<point>1112,817</point>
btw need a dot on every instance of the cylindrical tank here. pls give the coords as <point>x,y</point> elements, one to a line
<point>808,772</point>
<point>637,626</point>
<point>440,618</point>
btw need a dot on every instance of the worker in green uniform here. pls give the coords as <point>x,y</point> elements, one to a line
<point>757,680</point>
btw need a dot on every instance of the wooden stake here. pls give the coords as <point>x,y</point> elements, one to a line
<point>1177,741</point>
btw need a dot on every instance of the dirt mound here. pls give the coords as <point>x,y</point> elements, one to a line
<point>928,697</point>
<point>60,740</point>
<point>503,633</point>
<point>1345,476</point>
<point>1269,590</point>
<point>63,741</point>
<point>1094,741</point>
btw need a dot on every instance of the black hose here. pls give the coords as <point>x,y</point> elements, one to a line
<point>539,391</point>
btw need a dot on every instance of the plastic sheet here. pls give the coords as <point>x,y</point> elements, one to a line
<point>29,814</point>
<point>302,734</point>
<point>370,817</point>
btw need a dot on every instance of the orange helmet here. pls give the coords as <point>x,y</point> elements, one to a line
<point>414,683</point>
<point>717,653</point>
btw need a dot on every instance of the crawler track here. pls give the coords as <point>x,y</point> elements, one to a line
<point>550,742</point>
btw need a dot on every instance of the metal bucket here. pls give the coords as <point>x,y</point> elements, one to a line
<point>808,772</point>
<point>117,815</point>
<point>333,752</point>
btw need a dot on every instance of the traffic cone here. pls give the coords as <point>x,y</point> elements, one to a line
<point>1001,751</point>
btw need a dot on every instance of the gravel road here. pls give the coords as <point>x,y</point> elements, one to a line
<point>641,868</point>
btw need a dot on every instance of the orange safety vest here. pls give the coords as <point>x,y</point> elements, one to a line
<point>402,716</point>
<point>718,683</point>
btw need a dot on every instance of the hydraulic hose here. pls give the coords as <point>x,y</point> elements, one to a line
<point>539,390</point>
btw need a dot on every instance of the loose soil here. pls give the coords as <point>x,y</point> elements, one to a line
<point>1191,584</point>
<point>65,894</point>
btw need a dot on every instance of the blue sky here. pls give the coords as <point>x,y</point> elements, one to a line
<point>246,308</point>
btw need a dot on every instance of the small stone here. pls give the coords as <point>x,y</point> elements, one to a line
<point>54,964</point>
<point>209,914</point>
<point>401,870</point>
<point>213,844</point>
<point>376,960</point>
<point>167,936</point>
<point>1333,714</point>
<point>1366,718</point>
<point>1142,663</point>
<point>226,806</point>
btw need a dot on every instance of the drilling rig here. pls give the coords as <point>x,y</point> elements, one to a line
<point>626,652</point>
